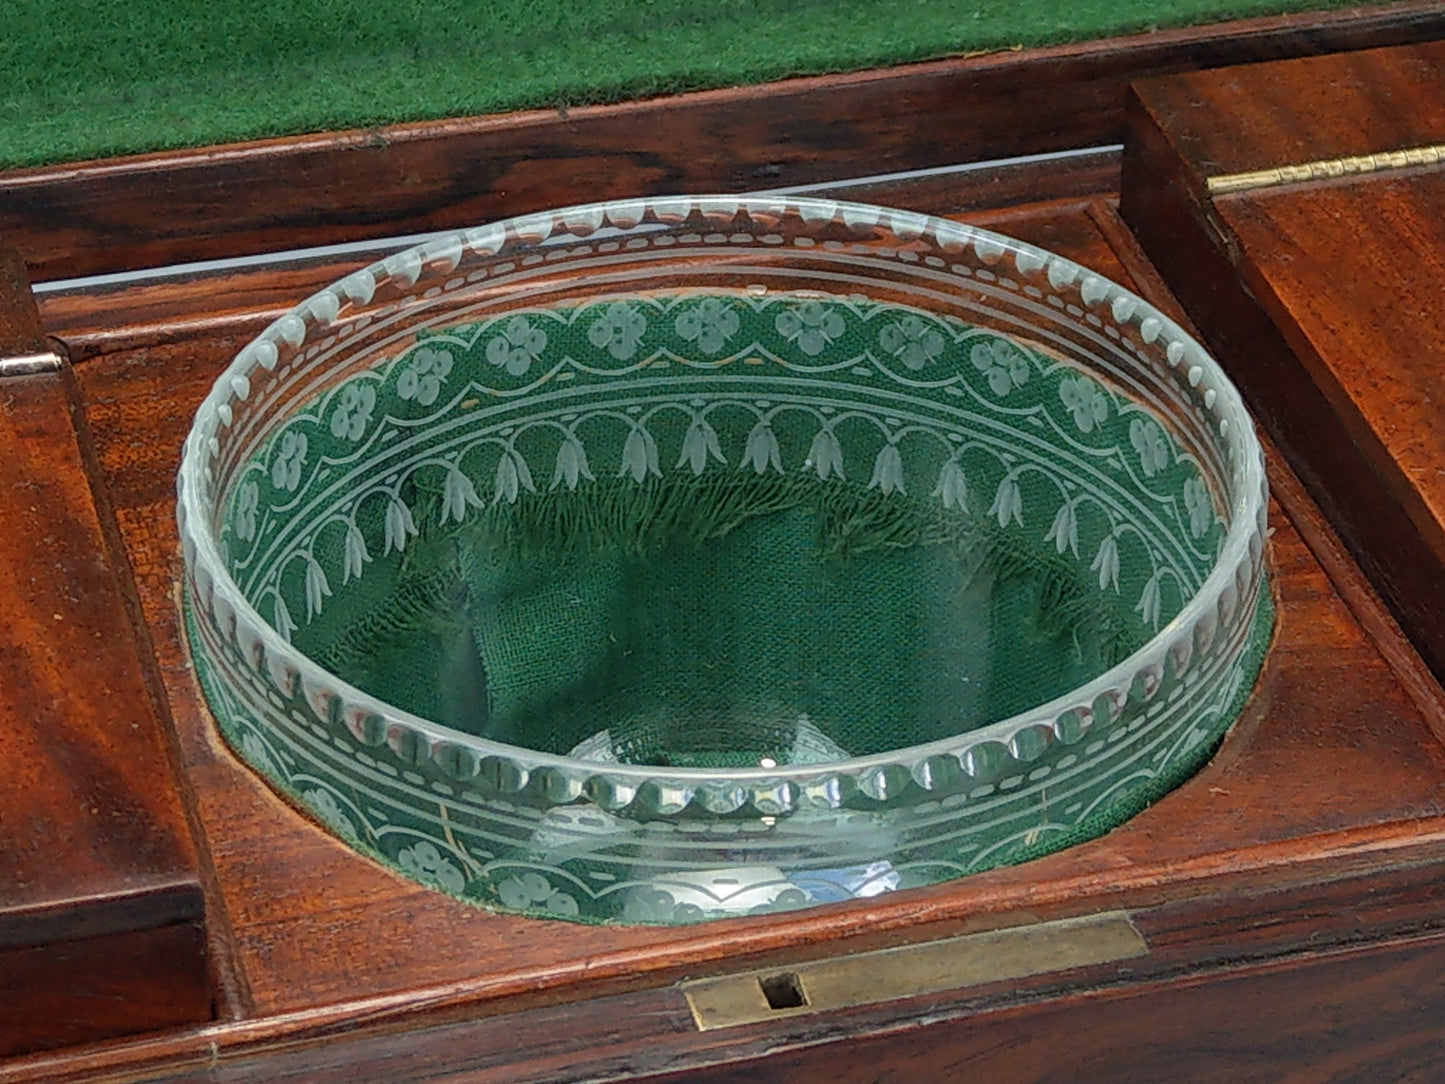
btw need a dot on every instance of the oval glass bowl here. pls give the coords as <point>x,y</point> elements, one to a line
<point>679,558</point>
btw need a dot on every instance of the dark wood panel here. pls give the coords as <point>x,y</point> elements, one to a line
<point>1321,299</point>
<point>1217,953</point>
<point>70,992</point>
<point>83,813</point>
<point>280,194</point>
<point>20,328</point>
<point>93,838</point>
<point>98,875</point>
<point>93,321</point>
<point>1371,1015</point>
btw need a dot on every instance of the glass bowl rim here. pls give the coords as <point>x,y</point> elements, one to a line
<point>1242,546</point>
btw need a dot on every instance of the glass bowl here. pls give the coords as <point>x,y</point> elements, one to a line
<point>679,558</point>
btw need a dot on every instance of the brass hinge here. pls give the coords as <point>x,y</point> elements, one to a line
<point>1327,168</point>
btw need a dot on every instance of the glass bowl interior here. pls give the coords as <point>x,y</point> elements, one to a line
<point>631,551</point>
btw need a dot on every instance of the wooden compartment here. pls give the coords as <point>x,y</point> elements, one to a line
<point>1288,899</point>
<point>100,897</point>
<point>1298,209</point>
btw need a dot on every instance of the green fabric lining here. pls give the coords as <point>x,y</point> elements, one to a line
<point>718,609</point>
<point>884,620</point>
<point>107,78</point>
<point>691,653</point>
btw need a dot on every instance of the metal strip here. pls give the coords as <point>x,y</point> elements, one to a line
<point>912,970</point>
<point>30,364</point>
<point>1327,168</point>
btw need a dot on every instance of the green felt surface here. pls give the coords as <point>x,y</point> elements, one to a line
<point>106,77</point>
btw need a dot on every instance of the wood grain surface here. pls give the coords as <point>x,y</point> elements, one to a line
<point>1290,894</point>
<point>1368,1015</point>
<point>20,327</point>
<point>1260,116</point>
<point>1323,299</point>
<point>67,993</point>
<point>281,194</point>
<point>1322,1011</point>
<point>1330,743</point>
<point>184,306</point>
<point>99,893</point>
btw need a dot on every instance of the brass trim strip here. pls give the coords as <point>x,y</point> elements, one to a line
<point>1326,168</point>
<point>750,997</point>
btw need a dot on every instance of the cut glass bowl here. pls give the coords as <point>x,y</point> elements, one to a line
<point>680,558</point>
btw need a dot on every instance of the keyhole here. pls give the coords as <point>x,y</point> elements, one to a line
<point>783,991</point>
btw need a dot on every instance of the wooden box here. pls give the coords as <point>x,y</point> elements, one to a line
<point>1278,917</point>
